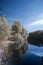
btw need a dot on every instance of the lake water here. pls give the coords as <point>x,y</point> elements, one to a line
<point>33,56</point>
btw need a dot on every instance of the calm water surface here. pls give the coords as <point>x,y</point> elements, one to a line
<point>33,56</point>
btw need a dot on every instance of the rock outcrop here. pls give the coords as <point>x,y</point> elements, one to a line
<point>14,42</point>
<point>36,38</point>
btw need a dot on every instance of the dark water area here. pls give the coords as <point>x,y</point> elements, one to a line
<point>31,59</point>
<point>33,56</point>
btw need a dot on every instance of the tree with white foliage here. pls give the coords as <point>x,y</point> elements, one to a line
<point>4,29</point>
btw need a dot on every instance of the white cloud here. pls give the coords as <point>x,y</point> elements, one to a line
<point>40,16</point>
<point>37,22</point>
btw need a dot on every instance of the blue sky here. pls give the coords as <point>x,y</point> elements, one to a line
<point>28,12</point>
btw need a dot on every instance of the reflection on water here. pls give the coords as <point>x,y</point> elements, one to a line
<point>36,50</point>
<point>33,56</point>
<point>32,47</point>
